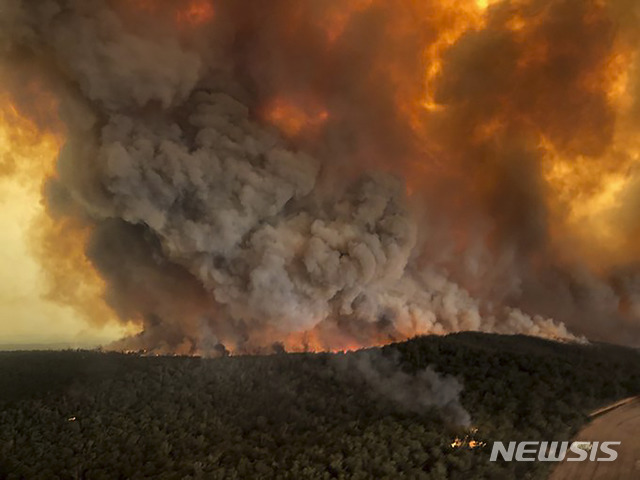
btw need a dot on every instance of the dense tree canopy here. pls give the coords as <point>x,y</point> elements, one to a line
<point>81,414</point>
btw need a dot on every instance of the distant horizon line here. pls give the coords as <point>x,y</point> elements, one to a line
<point>61,345</point>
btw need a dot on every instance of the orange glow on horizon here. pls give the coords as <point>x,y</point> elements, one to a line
<point>49,290</point>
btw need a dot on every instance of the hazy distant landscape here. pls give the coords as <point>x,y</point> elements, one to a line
<point>87,414</point>
<point>15,347</point>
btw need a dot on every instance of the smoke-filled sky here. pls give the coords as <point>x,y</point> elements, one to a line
<point>27,314</point>
<point>319,175</point>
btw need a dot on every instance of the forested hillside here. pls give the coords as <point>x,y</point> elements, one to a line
<point>82,414</point>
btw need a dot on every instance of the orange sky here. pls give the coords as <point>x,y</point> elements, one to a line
<point>26,314</point>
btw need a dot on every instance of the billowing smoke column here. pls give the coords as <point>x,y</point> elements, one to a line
<point>411,392</point>
<point>327,175</point>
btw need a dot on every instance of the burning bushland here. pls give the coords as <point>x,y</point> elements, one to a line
<point>337,174</point>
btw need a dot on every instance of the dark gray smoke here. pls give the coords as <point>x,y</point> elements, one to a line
<point>212,226</point>
<point>417,392</point>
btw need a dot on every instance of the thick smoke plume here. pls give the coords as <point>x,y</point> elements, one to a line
<point>415,393</point>
<point>329,175</point>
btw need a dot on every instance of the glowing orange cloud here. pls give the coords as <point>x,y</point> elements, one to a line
<point>43,258</point>
<point>336,19</point>
<point>195,13</point>
<point>293,119</point>
<point>190,14</point>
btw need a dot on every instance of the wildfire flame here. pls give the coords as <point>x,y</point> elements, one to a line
<point>460,99</point>
<point>468,441</point>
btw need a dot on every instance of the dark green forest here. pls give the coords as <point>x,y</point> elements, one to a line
<point>94,415</point>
